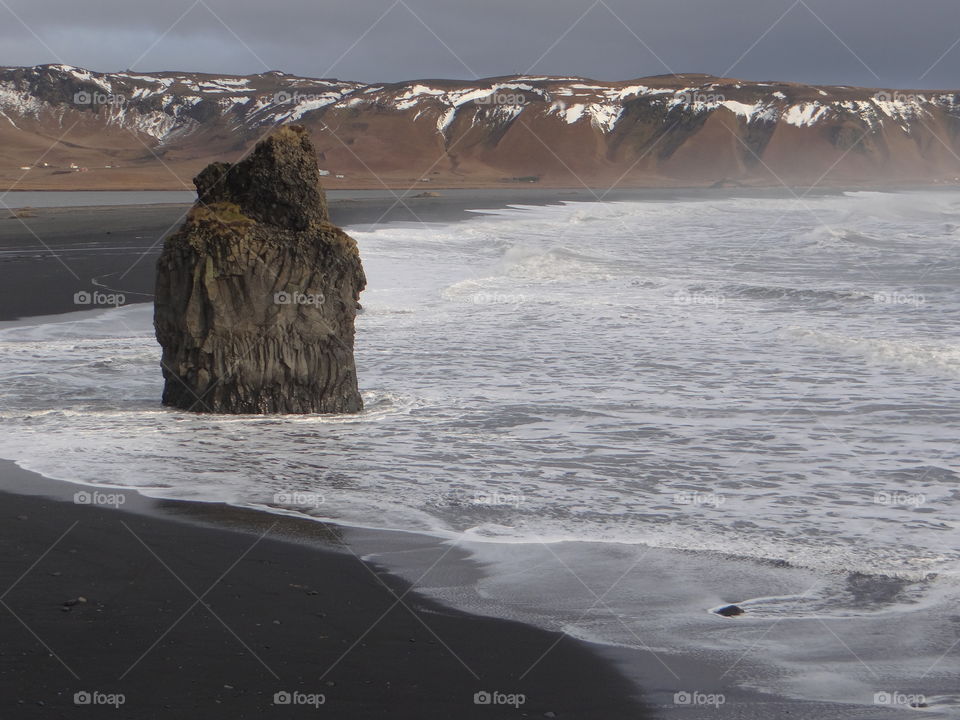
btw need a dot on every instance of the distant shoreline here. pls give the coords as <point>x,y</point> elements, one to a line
<point>54,252</point>
<point>408,191</point>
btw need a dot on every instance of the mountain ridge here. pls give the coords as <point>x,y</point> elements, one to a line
<point>63,127</point>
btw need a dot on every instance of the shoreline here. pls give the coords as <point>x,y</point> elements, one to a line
<point>634,682</point>
<point>648,679</point>
<point>216,518</point>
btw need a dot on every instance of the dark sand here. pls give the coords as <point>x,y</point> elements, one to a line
<point>291,610</point>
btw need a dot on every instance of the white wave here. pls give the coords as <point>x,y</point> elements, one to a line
<point>941,358</point>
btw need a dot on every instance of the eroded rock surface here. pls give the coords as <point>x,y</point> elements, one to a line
<point>257,293</point>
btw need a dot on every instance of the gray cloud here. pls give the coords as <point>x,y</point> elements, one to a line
<point>881,43</point>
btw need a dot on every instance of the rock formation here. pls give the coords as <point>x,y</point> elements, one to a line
<point>730,611</point>
<point>257,292</point>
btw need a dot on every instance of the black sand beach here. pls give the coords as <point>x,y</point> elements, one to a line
<point>182,616</point>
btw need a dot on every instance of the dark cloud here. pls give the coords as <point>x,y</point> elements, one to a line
<point>882,43</point>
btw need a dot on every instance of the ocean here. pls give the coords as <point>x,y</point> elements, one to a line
<point>628,413</point>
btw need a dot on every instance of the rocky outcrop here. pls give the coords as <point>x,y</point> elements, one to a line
<point>257,293</point>
<point>730,611</point>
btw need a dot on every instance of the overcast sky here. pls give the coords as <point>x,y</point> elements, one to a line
<point>877,43</point>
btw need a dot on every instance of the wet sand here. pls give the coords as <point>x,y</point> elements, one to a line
<point>210,612</point>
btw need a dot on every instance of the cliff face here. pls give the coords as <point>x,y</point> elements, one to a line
<point>257,293</point>
<point>565,131</point>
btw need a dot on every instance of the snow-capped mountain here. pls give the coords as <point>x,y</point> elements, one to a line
<point>155,130</point>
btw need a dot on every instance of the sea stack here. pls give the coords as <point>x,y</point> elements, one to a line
<point>258,291</point>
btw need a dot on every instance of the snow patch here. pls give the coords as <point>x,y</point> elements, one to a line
<point>605,117</point>
<point>759,111</point>
<point>446,120</point>
<point>804,114</point>
<point>573,113</point>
